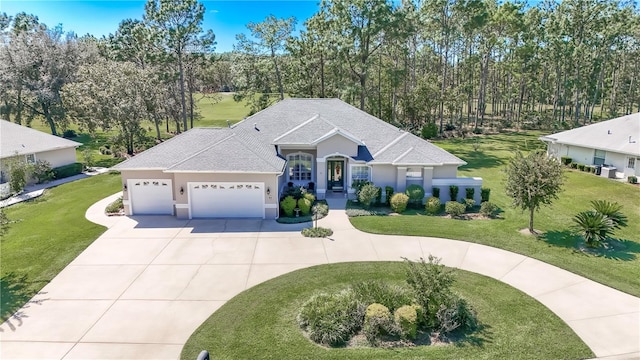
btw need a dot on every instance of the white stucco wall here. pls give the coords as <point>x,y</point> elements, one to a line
<point>337,144</point>
<point>58,157</point>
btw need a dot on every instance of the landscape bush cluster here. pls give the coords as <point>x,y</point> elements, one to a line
<point>424,307</point>
<point>599,223</point>
<point>297,198</point>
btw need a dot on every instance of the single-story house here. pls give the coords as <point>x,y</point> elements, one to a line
<point>241,170</point>
<point>33,145</point>
<point>614,144</point>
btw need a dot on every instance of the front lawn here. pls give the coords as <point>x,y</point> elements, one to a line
<point>49,232</point>
<point>618,267</point>
<point>260,323</point>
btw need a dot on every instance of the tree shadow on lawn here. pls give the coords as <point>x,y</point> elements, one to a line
<point>16,290</point>
<point>616,249</point>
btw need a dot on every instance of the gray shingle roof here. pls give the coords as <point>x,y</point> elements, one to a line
<point>620,135</point>
<point>250,145</point>
<point>20,139</point>
<point>299,119</point>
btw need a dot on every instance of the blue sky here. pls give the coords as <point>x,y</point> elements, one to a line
<point>101,17</point>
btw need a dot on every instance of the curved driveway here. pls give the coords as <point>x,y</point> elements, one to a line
<point>143,287</point>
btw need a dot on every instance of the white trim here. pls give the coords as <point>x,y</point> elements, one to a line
<point>321,159</point>
<point>337,131</point>
<point>461,181</point>
<point>321,191</point>
<point>221,172</point>
<point>182,206</point>
<point>270,206</point>
<point>402,155</point>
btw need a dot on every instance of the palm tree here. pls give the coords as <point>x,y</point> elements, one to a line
<point>594,227</point>
<point>612,211</point>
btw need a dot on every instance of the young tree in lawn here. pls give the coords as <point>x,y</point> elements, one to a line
<point>533,181</point>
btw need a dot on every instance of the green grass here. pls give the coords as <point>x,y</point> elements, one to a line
<point>260,322</point>
<point>618,267</point>
<point>49,232</point>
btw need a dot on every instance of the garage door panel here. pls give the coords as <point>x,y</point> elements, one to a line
<point>151,196</point>
<point>226,199</point>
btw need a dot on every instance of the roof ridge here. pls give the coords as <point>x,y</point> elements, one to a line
<point>251,148</point>
<point>259,112</point>
<point>386,147</point>
<point>402,155</point>
<point>201,151</point>
<point>316,116</point>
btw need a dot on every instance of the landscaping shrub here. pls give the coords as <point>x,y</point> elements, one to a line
<point>288,204</point>
<point>17,175</point>
<point>415,193</point>
<point>453,193</point>
<point>377,322</point>
<point>67,170</point>
<point>358,185</point>
<point>406,318</point>
<point>431,283</point>
<point>574,165</point>
<point>581,167</point>
<point>69,134</point>
<point>317,232</point>
<point>304,205</point>
<point>87,157</point>
<point>105,150</point>
<point>367,194</point>
<point>115,207</point>
<point>359,212</point>
<point>309,197</point>
<point>321,209</point>
<point>388,194</point>
<point>449,127</point>
<point>399,202</point>
<point>42,171</point>
<point>436,192</point>
<point>632,179</point>
<point>391,296</point>
<point>429,131</point>
<point>488,209</point>
<point>433,205</point>
<point>469,203</point>
<point>484,194</point>
<point>565,160</point>
<point>331,319</point>
<point>454,208</point>
<point>593,226</point>
<point>455,313</point>
<point>379,196</point>
<point>469,192</point>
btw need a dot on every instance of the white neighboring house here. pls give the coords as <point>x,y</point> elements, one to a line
<point>33,145</point>
<point>613,143</point>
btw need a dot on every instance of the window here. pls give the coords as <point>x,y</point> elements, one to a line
<point>300,167</point>
<point>631,163</point>
<point>360,172</point>
<point>598,157</point>
<point>31,159</point>
<point>414,173</point>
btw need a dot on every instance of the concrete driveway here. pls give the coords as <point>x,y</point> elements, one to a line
<point>142,288</point>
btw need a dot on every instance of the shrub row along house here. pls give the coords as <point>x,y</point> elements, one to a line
<point>613,144</point>
<point>21,143</point>
<point>323,145</point>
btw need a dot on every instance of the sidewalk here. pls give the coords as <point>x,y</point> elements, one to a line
<point>33,191</point>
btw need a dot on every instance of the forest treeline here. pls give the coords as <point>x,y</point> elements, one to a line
<point>452,63</point>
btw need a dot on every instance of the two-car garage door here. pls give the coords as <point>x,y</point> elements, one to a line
<point>226,199</point>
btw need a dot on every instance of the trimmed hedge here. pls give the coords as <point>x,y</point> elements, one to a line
<point>565,160</point>
<point>484,194</point>
<point>65,171</point>
<point>632,179</point>
<point>399,202</point>
<point>388,194</point>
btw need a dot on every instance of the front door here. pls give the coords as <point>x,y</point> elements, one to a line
<point>335,174</point>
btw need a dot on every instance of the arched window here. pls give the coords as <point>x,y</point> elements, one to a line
<point>300,166</point>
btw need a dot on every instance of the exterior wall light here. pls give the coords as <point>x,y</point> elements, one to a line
<point>124,187</point>
<point>181,190</point>
<point>268,191</point>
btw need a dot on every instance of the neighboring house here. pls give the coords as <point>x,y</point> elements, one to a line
<point>33,145</point>
<point>240,171</point>
<point>613,143</point>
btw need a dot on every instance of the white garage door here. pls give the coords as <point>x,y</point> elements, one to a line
<point>150,196</point>
<point>226,199</point>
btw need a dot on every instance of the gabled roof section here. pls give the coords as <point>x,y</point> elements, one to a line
<point>308,121</point>
<point>410,150</point>
<point>621,135</point>
<point>236,153</point>
<point>22,140</point>
<point>175,150</point>
<point>313,131</point>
